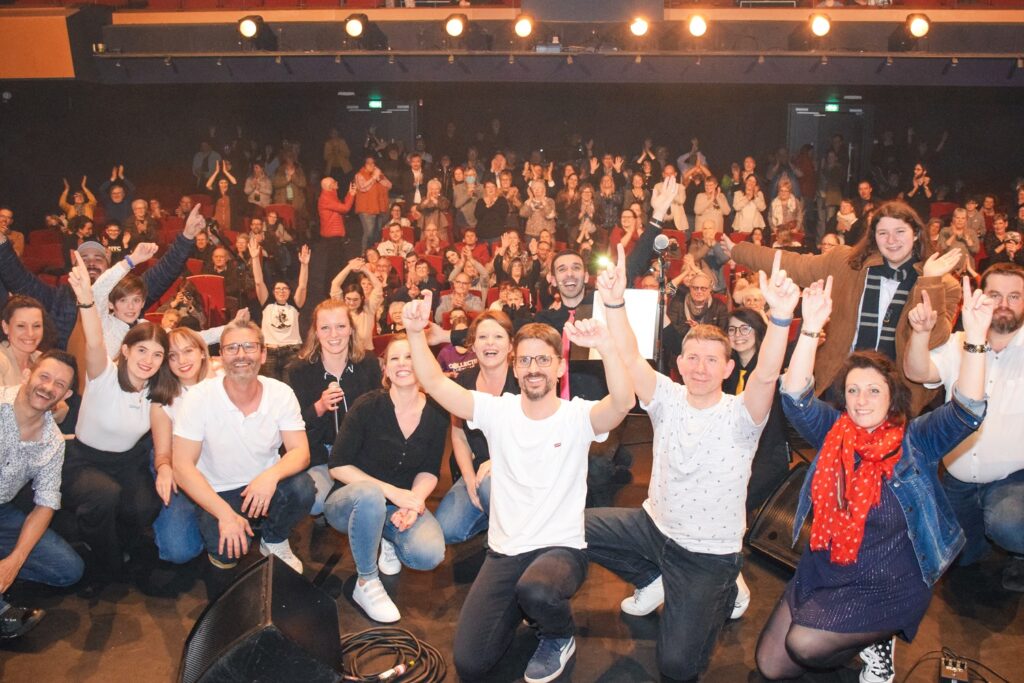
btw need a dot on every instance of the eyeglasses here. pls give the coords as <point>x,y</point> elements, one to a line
<point>542,361</point>
<point>238,347</point>
<point>740,330</point>
<point>1014,298</point>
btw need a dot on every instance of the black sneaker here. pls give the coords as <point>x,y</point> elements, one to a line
<point>878,662</point>
<point>17,621</point>
<point>1013,575</point>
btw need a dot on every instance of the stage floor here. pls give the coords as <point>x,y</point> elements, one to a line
<point>125,635</point>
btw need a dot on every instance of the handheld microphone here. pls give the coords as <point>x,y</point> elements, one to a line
<point>661,243</point>
<point>335,385</point>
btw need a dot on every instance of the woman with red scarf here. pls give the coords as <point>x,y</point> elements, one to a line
<point>882,531</point>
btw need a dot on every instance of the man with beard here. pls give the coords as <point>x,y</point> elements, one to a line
<point>985,474</point>
<point>33,451</point>
<point>227,434</point>
<point>538,446</point>
<point>60,301</point>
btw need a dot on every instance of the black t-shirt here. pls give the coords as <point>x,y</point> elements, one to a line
<point>371,440</point>
<point>309,380</point>
<point>475,437</point>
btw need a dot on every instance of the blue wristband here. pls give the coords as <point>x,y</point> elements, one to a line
<point>128,260</point>
<point>780,322</point>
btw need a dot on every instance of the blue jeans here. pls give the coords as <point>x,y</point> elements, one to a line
<point>361,511</point>
<point>176,530</point>
<point>290,505</point>
<point>372,223</point>
<point>700,588</point>
<point>459,518</point>
<point>988,512</point>
<point>51,561</point>
<point>323,482</point>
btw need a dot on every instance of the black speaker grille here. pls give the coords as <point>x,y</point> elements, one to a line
<point>772,529</point>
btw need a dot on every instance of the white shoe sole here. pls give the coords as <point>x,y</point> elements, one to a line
<point>550,677</point>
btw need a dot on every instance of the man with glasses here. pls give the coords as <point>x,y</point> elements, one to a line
<point>985,474</point>
<point>459,297</point>
<point>538,445</point>
<point>696,306</point>
<point>227,434</point>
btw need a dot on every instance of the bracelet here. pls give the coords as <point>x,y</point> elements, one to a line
<point>621,305</point>
<point>128,260</point>
<point>812,335</point>
<point>976,348</point>
<point>88,305</point>
<point>780,322</point>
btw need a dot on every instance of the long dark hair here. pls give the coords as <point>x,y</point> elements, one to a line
<point>749,316</point>
<point>163,386</point>
<point>899,394</point>
<point>868,245</point>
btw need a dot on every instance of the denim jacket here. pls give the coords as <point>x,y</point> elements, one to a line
<point>932,526</point>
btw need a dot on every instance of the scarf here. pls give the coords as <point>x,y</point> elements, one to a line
<point>842,496</point>
<point>873,333</point>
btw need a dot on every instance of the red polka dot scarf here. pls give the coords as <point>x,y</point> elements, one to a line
<point>842,496</point>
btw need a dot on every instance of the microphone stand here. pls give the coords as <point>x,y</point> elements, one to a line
<point>659,356</point>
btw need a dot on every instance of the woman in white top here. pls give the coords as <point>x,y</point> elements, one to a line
<point>122,296</point>
<point>749,205</point>
<point>176,529</point>
<point>280,318</point>
<point>107,482</point>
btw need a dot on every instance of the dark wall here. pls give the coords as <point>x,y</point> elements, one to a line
<point>50,130</point>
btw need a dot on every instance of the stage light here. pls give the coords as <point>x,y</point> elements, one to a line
<point>918,25</point>
<point>524,25</point>
<point>249,26</point>
<point>639,26</point>
<point>697,25</point>
<point>455,25</point>
<point>820,25</point>
<point>355,25</point>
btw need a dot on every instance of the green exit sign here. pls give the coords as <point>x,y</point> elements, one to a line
<point>831,107</point>
<point>376,104</point>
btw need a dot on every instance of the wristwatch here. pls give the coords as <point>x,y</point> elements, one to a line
<point>976,348</point>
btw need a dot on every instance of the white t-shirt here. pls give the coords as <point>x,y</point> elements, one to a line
<point>994,451</point>
<point>281,325</point>
<point>111,419</point>
<point>236,448</point>
<point>701,468</point>
<point>538,472</point>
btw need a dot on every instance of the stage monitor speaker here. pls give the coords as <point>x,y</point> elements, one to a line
<point>269,625</point>
<point>772,529</point>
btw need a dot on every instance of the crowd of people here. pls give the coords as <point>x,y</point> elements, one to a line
<point>457,295</point>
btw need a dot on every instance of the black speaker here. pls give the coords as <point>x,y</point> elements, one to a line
<point>772,529</point>
<point>269,625</point>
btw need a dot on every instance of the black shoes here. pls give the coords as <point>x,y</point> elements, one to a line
<point>17,621</point>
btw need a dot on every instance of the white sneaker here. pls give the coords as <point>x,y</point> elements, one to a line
<point>742,598</point>
<point>388,562</point>
<point>283,551</point>
<point>645,600</point>
<point>375,601</point>
<point>878,662</point>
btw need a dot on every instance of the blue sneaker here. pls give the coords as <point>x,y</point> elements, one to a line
<point>549,660</point>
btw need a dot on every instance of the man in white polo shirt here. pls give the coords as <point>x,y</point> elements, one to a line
<point>539,445</point>
<point>985,474</point>
<point>227,435</point>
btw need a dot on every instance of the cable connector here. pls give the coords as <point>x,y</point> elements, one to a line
<point>953,669</point>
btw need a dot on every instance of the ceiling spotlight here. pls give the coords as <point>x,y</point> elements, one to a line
<point>918,25</point>
<point>524,25</point>
<point>1020,62</point>
<point>249,26</point>
<point>278,60</point>
<point>954,62</point>
<point>220,62</point>
<point>888,61</point>
<point>638,60</point>
<point>167,61</point>
<point>451,59</point>
<point>355,25</point>
<point>697,25</point>
<point>760,59</point>
<point>511,59</point>
<point>391,59</point>
<point>824,60</point>
<point>820,25</point>
<point>568,60</point>
<point>639,26</point>
<point>455,25</point>
<point>337,59</point>
<point>256,35</point>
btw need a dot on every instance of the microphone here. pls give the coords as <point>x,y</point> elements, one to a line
<point>335,385</point>
<point>661,244</point>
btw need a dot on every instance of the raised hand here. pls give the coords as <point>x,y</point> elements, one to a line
<point>194,224</point>
<point>780,292</point>
<point>304,255</point>
<point>589,333</point>
<point>416,313</point>
<point>938,265</point>
<point>143,252</point>
<point>976,314</point>
<point>254,248</point>
<point>242,315</point>
<point>79,280</point>
<point>66,186</point>
<point>922,317</point>
<point>661,200</point>
<point>611,283</point>
<point>817,305</point>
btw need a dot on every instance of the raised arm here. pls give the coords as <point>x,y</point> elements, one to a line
<point>643,251</point>
<point>782,296</point>
<point>339,280</point>
<point>612,286</point>
<point>803,269</point>
<point>262,293</point>
<point>977,317</point>
<point>96,357</point>
<point>816,309</point>
<point>453,398</point>
<point>611,410</point>
<point>917,362</point>
<point>303,286</point>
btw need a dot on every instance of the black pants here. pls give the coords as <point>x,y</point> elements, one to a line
<point>112,498</point>
<point>538,584</point>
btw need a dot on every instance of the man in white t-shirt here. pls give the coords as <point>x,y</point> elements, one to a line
<point>539,445</point>
<point>985,474</point>
<point>227,435</point>
<point>684,546</point>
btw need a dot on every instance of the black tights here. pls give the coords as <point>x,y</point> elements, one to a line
<point>787,650</point>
